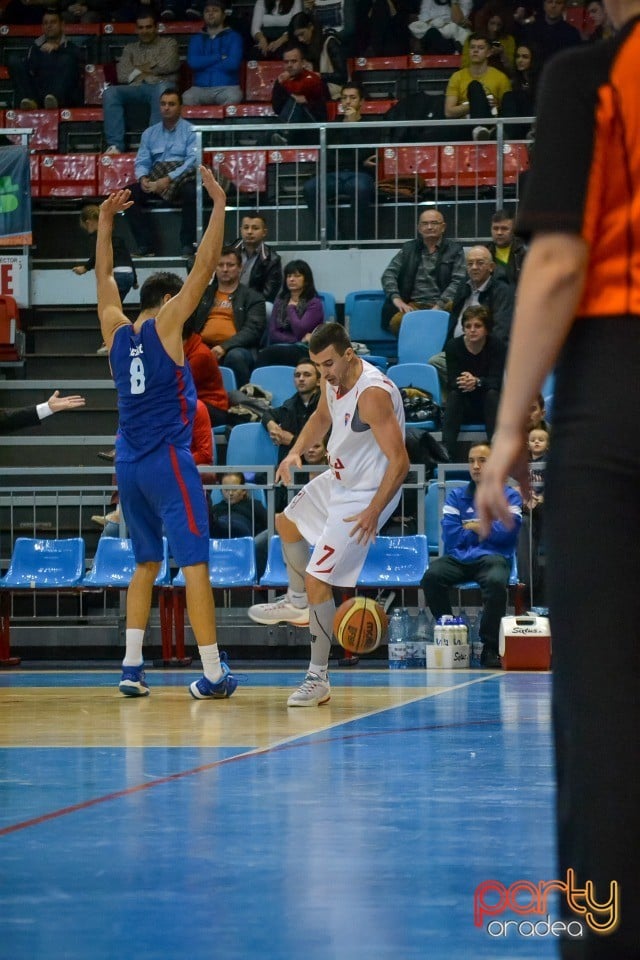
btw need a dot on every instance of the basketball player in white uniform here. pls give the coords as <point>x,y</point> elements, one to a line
<point>341,510</point>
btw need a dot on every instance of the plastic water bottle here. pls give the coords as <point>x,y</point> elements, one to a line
<point>475,641</point>
<point>420,638</point>
<point>438,632</point>
<point>422,628</point>
<point>396,639</point>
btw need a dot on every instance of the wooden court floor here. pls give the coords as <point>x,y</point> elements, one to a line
<point>166,828</point>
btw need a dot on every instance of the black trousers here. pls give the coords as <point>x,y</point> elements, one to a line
<point>140,221</point>
<point>592,526</point>
<point>490,572</point>
<point>478,406</point>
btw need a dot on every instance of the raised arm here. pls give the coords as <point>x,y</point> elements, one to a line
<point>174,314</point>
<point>110,311</point>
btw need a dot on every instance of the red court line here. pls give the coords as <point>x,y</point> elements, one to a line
<point>172,777</point>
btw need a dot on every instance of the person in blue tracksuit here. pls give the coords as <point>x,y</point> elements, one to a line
<point>467,556</point>
<point>215,58</point>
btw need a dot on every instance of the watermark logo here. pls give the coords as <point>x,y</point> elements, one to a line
<point>492,900</point>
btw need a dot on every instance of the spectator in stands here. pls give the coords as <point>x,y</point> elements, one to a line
<point>550,32</point>
<point>530,562</point>
<point>261,265</point>
<point>124,272</point>
<point>49,75</point>
<point>468,558</point>
<point>476,91</point>
<point>520,101</point>
<point>298,93</point>
<point>11,420</point>
<point>506,249</point>
<point>165,168</point>
<point>323,52</point>
<point>206,375</point>
<point>336,15</point>
<point>270,26</point>
<point>475,368</point>
<point>496,23</point>
<point>598,25</point>
<point>298,310</point>
<point>424,274</point>
<point>231,317</point>
<point>84,11</point>
<point>442,26</point>
<point>237,514</point>
<point>145,70</point>
<point>283,424</point>
<point>537,415</point>
<point>351,173</point>
<point>388,29</point>
<point>215,57</point>
<point>487,285</point>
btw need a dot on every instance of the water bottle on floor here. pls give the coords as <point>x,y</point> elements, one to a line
<point>396,640</point>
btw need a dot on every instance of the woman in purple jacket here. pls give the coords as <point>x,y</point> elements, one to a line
<point>297,311</point>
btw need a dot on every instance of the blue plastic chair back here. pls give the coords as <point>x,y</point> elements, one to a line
<point>228,379</point>
<point>395,562</point>
<point>38,564</point>
<point>329,305</point>
<point>232,563</point>
<point>421,375</point>
<point>250,445</point>
<point>277,379</point>
<point>362,314</point>
<point>433,512</point>
<point>114,565</point>
<point>422,335</point>
<point>275,571</point>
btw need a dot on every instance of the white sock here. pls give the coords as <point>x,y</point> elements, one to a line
<point>319,671</point>
<point>298,600</point>
<point>211,662</point>
<point>133,649</point>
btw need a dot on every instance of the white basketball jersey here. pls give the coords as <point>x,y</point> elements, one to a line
<point>355,458</point>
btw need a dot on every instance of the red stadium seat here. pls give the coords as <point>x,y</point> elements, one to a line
<point>294,155</point>
<point>34,165</point>
<point>516,161</point>
<point>248,110</point>
<point>69,175</point>
<point>260,78</point>
<point>246,169</point>
<point>44,124</point>
<point>115,172</point>
<point>209,111</point>
<point>95,81</point>
<point>409,162</point>
<point>468,165</point>
<point>382,78</point>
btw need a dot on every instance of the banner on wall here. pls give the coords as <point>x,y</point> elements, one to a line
<point>14,278</point>
<point>15,197</point>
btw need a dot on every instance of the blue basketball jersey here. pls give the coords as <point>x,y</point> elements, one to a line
<point>156,396</point>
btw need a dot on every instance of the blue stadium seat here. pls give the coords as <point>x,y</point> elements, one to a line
<point>329,304</point>
<point>433,511</point>
<point>422,334</point>
<point>232,563</point>
<point>362,317</point>
<point>114,565</point>
<point>275,571</point>
<point>38,564</point>
<point>256,493</point>
<point>395,562</point>
<point>421,375</point>
<point>250,445</point>
<point>228,378</point>
<point>277,379</point>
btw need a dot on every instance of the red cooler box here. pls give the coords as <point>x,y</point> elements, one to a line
<point>525,643</point>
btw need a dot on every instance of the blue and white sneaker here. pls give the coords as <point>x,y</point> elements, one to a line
<point>133,683</point>
<point>204,689</point>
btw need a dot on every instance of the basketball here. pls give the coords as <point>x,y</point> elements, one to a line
<point>360,625</point>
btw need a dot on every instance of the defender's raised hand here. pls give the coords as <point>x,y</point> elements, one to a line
<point>212,186</point>
<point>116,203</point>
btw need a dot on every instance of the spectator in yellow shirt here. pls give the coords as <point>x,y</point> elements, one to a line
<point>476,91</point>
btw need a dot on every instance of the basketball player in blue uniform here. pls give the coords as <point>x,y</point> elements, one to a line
<point>159,484</point>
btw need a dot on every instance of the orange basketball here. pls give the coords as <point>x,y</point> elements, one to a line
<point>360,625</point>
